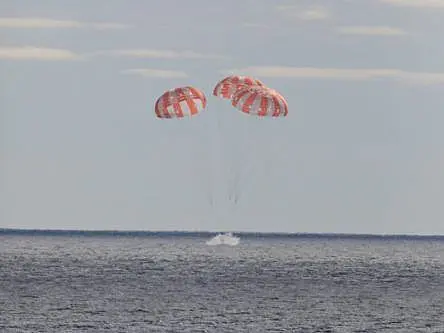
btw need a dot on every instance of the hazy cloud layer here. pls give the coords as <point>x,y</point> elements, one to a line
<point>36,53</point>
<point>40,23</point>
<point>415,3</point>
<point>340,74</point>
<point>371,31</point>
<point>159,54</point>
<point>311,13</point>
<point>157,73</point>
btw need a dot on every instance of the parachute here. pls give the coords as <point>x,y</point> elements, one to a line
<point>260,101</point>
<point>180,102</point>
<point>231,84</point>
<point>232,150</point>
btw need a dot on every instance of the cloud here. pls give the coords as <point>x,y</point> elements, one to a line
<point>415,3</point>
<point>312,13</point>
<point>159,54</point>
<point>36,53</point>
<point>371,31</point>
<point>35,23</point>
<point>158,73</point>
<point>340,74</point>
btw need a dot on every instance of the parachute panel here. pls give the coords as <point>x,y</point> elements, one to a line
<point>180,102</point>
<point>260,101</point>
<point>231,84</point>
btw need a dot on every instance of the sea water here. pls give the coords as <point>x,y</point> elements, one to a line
<point>173,282</point>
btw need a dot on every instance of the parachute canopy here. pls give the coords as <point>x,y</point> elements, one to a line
<point>260,101</point>
<point>231,84</point>
<point>180,102</point>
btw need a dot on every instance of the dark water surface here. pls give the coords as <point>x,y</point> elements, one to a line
<point>164,283</point>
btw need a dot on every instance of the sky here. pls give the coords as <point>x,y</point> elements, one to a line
<point>361,151</point>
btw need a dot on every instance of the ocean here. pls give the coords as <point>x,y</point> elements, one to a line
<point>175,282</point>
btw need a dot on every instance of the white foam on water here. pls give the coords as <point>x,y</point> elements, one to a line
<point>224,239</point>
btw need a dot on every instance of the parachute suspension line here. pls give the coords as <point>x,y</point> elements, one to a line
<point>259,159</point>
<point>273,151</point>
<point>241,164</point>
<point>273,161</point>
<point>196,162</point>
<point>181,102</point>
<point>217,153</point>
<point>232,169</point>
<point>266,152</point>
<point>250,147</point>
<point>208,169</point>
<point>235,175</point>
<point>230,153</point>
<point>251,97</point>
<point>242,161</point>
<point>211,140</point>
<point>226,151</point>
<point>225,89</point>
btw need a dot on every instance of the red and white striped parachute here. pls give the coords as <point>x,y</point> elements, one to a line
<point>180,102</point>
<point>231,84</point>
<point>260,101</point>
<point>247,94</point>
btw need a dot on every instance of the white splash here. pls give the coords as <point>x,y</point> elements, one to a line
<point>224,239</point>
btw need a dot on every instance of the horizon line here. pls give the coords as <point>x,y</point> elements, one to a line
<point>135,232</point>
